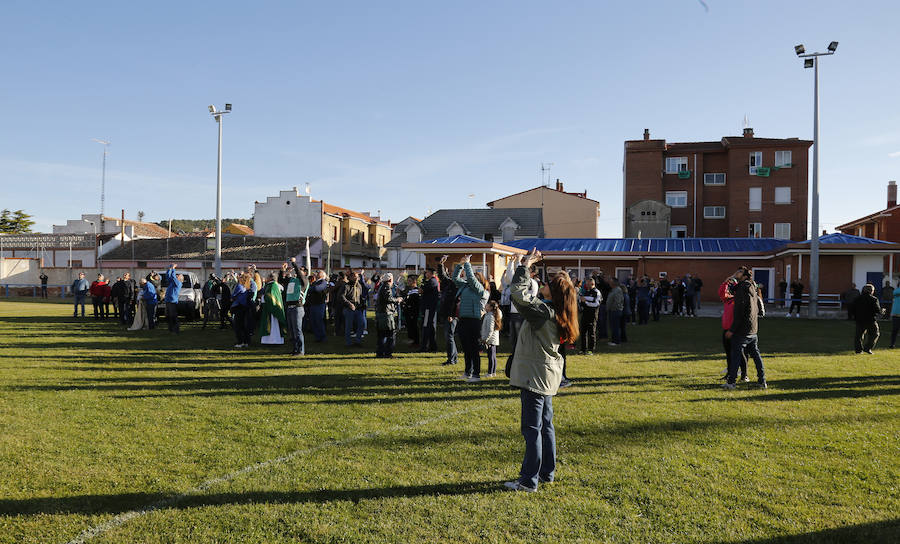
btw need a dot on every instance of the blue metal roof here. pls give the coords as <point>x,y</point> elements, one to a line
<point>651,245</point>
<point>840,238</point>
<point>458,239</point>
<point>658,245</point>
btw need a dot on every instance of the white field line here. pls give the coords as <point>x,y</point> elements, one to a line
<point>125,517</point>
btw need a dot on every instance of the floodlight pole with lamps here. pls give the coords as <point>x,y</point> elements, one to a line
<point>812,61</point>
<point>218,257</point>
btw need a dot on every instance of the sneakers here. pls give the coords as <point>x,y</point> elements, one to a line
<point>465,377</point>
<point>762,385</point>
<point>728,386</point>
<point>473,379</point>
<point>745,379</point>
<point>589,353</point>
<point>447,363</point>
<point>240,345</point>
<point>613,344</point>
<point>546,479</point>
<point>868,351</point>
<point>516,486</point>
<point>565,383</point>
<point>491,375</point>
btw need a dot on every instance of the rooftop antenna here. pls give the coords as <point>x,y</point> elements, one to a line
<point>307,188</point>
<point>102,179</point>
<point>746,121</point>
<point>545,169</point>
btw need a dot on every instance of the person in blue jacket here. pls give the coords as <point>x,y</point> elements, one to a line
<point>80,288</point>
<point>473,295</point>
<point>173,289</point>
<point>148,295</point>
<point>241,299</point>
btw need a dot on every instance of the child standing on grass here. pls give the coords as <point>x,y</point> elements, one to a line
<point>491,323</point>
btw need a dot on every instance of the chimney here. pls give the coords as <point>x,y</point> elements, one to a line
<point>748,132</point>
<point>646,134</point>
<point>559,185</point>
<point>892,194</point>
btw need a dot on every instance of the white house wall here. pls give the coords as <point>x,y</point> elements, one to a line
<point>290,214</point>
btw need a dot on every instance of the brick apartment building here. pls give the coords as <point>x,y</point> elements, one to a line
<point>738,187</point>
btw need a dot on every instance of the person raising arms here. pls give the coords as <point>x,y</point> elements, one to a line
<point>536,367</point>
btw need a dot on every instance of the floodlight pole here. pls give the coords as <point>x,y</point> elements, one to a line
<point>217,115</point>
<point>218,256</point>
<point>814,238</point>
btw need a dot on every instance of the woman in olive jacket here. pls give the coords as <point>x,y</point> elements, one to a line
<point>537,367</point>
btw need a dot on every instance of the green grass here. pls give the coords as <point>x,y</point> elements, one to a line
<point>95,422</point>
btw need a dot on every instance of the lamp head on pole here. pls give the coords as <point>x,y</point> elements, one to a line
<point>833,46</point>
<point>799,49</point>
<point>809,63</point>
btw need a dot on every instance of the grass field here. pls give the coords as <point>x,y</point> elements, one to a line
<point>252,446</point>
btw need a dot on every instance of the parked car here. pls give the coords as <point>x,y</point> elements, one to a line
<point>190,299</point>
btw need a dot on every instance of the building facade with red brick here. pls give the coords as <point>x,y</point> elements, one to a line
<point>737,187</point>
<point>881,225</point>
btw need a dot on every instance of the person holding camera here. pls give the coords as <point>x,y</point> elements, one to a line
<point>386,312</point>
<point>295,287</point>
<point>473,295</point>
<point>536,367</point>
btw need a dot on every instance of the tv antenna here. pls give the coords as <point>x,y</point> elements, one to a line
<point>545,169</point>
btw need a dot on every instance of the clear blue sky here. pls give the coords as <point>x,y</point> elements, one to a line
<point>410,106</point>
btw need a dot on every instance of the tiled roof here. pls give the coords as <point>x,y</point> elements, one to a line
<point>237,228</point>
<point>479,222</point>
<point>241,248</point>
<point>142,229</point>
<point>337,210</point>
<point>869,217</point>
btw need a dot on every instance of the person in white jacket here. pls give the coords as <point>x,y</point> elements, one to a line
<point>491,323</point>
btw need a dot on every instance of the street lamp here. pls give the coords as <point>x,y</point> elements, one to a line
<point>811,60</point>
<point>218,258</point>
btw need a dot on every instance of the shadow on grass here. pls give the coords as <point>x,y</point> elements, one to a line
<point>827,387</point>
<point>124,502</point>
<point>874,532</point>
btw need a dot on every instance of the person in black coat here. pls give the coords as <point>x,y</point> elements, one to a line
<point>430,300</point>
<point>867,312</point>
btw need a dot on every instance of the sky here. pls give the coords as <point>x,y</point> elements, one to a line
<point>406,107</point>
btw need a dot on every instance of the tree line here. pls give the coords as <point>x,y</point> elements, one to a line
<point>195,225</point>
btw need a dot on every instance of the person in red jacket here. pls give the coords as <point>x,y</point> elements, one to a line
<point>107,295</point>
<point>99,290</point>
<point>727,298</point>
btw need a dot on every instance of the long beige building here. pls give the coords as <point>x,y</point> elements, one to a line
<point>565,215</point>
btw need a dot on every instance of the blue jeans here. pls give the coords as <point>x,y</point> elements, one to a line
<point>151,314</point>
<point>748,346</point>
<point>615,326</point>
<point>79,300</point>
<point>450,335</point>
<point>354,325</point>
<point>317,321</point>
<point>540,439</point>
<point>294,316</point>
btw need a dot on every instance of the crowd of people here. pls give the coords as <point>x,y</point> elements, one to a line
<point>542,318</point>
